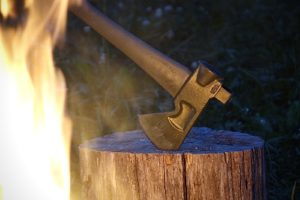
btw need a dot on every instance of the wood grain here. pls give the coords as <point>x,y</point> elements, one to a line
<point>209,165</point>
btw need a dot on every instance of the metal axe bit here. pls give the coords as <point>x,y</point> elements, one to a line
<point>191,91</point>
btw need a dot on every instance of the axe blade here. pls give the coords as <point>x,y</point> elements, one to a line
<point>160,132</point>
<point>168,130</point>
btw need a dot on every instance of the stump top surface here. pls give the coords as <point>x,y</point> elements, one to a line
<point>199,140</point>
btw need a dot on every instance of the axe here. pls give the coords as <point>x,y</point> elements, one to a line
<point>191,91</point>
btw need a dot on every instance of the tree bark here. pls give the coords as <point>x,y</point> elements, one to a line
<point>209,165</point>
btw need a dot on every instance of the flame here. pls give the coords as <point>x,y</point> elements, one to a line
<point>35,132</point>
<point>5,8</point>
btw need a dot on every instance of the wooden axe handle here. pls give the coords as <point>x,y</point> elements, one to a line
<point>168,73</point>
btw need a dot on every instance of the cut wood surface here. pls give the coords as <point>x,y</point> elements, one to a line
<point>209,165</point>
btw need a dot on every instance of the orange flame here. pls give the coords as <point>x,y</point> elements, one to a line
<point>34,129</point>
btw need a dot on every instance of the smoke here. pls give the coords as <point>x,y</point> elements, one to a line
<point>106,91</point>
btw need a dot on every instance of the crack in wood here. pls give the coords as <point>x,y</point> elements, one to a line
<point>184,176</point>
<point>137,177</point>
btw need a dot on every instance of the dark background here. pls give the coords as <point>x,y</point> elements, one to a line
<point>255,44</point>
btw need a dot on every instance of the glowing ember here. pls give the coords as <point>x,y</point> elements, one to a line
<point>34,129</point>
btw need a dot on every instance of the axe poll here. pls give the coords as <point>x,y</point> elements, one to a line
<point>191,91</point>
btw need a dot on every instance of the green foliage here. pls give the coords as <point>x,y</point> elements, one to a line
<point>255,44</point>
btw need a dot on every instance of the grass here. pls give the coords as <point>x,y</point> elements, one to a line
<point>255,44</point>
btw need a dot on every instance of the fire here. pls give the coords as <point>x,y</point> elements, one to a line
<point>5,8</point>
<point>35,132</point>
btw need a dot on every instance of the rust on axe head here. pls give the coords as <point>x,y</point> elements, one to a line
<point>191,91</point>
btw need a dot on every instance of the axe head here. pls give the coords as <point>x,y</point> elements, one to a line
<point>168,130</point>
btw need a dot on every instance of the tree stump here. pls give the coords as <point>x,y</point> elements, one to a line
<point>209,165</point>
